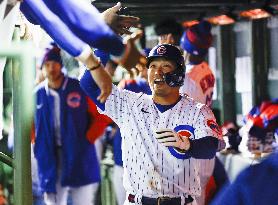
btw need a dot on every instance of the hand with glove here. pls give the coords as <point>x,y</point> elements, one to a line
<point>170,138</point>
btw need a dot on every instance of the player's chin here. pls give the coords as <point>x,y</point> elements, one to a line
<point>160,92</point>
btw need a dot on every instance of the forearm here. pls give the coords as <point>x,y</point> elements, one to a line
<point>204,148</point>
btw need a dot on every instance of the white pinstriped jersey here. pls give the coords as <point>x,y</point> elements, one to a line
<point>149,168</point>
<point>199,83</point>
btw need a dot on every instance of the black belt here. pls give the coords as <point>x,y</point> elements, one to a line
<point>160,200</point>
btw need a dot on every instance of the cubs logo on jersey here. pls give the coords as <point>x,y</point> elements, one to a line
<point>74,99</point>
<point>183,131</point>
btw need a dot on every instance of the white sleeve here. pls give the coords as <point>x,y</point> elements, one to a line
<point>206,125</point>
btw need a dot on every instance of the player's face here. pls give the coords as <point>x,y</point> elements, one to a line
<point>52,70</point>
<point>156,71</point>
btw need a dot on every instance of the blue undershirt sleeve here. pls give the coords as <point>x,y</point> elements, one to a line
<point>204,148</point>
<point>88,84</point>
<point>85,21</point>
<point>37,12</point>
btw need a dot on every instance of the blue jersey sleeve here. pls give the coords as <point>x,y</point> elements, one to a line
<point>37,12</point>
<point>90,87</point>
<point>73,24</point>
<point>86,22</point>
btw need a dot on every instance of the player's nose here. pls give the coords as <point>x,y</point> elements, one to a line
<point>159,71</point>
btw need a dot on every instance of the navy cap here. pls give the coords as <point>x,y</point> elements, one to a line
<point>52,54</point>
<point>197,39</point>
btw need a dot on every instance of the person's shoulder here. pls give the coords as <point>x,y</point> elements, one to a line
<point>203,109</point>
<point>40,87</point>
<point>72,80</point>
<point>268,168</point>
<point>125,82</point>
<point>270,163</point>
<point>190,101</point>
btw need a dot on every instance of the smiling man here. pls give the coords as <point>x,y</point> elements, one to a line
<point>66,159</point>
<point>164,135</point>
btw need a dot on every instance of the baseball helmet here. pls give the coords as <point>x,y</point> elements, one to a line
<point>172,53</point>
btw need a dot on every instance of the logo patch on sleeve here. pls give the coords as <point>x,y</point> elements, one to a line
<point>74,99</point>
<point>214,126</point>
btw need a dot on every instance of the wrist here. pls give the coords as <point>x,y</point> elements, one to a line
<point>94,67</point>
<point>184,144</point>
<point>88,58</point>
<point>93,63</point>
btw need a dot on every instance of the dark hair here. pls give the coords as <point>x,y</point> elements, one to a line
<point>168,26</point>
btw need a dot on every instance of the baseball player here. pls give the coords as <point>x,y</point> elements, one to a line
<point>199,81</point>
<point>163,135</point>
<point>65,122</point>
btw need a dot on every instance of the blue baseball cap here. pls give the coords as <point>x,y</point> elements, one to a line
<point>197,39</point>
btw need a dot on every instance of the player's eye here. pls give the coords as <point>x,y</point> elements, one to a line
<point>167,67</point>
<point>152,66</point>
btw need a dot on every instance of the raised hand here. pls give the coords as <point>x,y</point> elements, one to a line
<point>120,24</point>
<point>131,55</point>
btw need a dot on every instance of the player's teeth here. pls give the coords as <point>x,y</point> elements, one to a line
<point>158,80</point>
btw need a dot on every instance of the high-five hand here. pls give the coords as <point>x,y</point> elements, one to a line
<point>119,23</point>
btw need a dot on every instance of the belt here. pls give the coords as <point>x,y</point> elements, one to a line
<point>164,200</point>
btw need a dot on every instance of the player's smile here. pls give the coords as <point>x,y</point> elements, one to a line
<point>159,81</point>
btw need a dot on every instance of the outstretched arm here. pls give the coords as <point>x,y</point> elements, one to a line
<point>75,26</point>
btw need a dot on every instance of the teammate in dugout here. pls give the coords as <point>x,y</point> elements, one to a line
<point>66,121</point>
<point>164,135</point>
<point>199,83</point>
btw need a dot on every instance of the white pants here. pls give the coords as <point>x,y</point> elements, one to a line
<point>119,189</point>
<point>82,195</point>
